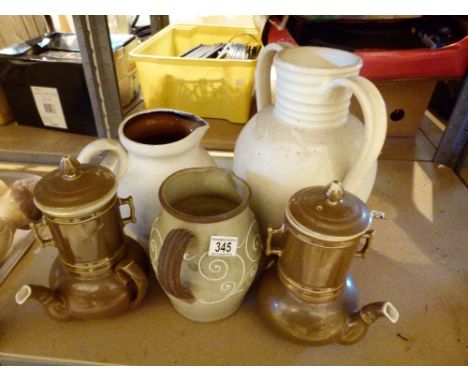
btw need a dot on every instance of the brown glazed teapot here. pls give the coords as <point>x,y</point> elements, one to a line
<point>99,272</point>
<point>308,295</point>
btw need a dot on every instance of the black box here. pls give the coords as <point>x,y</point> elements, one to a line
<point>45,85</point>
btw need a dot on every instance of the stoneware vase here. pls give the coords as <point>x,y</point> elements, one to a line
<point>308,137</point>
<point>205,246</point>
<point>155,143</point>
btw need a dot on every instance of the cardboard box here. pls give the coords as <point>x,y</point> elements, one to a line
<point>12,30</point>
<point>125,70</point>
<point>406,101</point>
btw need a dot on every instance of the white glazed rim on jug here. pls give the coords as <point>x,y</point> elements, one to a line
<point>171,148</point>
<point>303,60</point>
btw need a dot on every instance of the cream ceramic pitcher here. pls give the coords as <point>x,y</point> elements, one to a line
<point>308,137</point>
<point>156,143</point>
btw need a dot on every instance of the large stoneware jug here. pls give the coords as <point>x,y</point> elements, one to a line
<point>308,137</point>
<point>156,143</point>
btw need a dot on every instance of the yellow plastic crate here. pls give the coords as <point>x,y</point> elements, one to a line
<point>206,87</point>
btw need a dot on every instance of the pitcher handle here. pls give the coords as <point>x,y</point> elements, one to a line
<point>170,262</point>
<point>375,125</point>
<point>263,72</point>
<point>119,167</point>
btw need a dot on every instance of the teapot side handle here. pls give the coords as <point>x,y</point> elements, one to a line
<point>118,167</point>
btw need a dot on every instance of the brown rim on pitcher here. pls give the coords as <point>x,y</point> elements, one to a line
<point>148,125</point>
<point>166,205</point>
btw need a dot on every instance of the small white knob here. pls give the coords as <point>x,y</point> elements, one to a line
<point>23,294</point>
<point>391,312</point>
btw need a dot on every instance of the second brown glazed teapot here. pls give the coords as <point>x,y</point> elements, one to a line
<point>308,295</point>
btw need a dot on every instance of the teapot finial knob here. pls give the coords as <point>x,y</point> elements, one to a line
<point>69,167</point>
<point>334,191</point>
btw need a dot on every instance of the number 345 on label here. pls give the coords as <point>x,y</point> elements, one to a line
<point>223,246</point>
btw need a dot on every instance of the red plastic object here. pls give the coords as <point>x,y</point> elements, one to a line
<point>446,62</point>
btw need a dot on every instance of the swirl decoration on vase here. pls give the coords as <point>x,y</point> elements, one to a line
<point>256,243</point>
<point>154,248</point>
<point>215,267</point>
<point>217,270</point>
<point>229,278</point>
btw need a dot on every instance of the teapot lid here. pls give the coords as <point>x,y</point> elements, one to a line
<point>74,189</point>
<point>328,213</point>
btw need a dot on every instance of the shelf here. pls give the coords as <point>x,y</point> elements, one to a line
<point>38,145</point>
<point>28,144</point>
<point>417,261</point>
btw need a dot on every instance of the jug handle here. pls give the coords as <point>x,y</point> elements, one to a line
<point>263,73</point>
<point>130,268</point>
<point>170,262</point>
<point>375,125</point>
<point>119,167</point>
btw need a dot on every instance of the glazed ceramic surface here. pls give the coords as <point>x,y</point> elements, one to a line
<point>201,285</point>
<point>99,272</point>
<point>308,295</point>
<point>156,143</point>
<point>308,137</point>
<point>96,292</point>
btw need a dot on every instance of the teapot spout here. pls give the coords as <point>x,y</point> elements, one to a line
<point>54,304</point>
<point>360,321</point>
